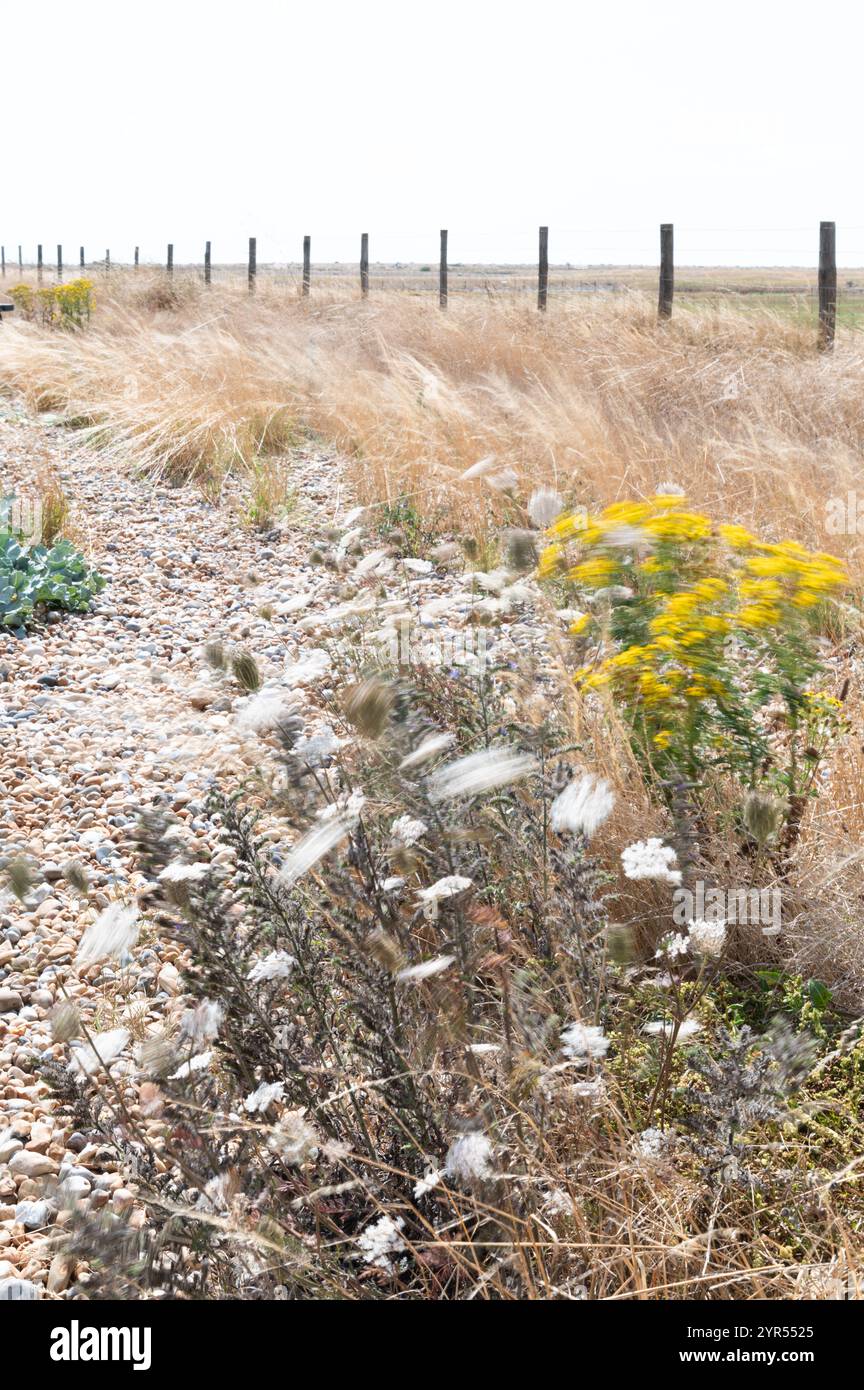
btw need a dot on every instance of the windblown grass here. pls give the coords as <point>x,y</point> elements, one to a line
<point>737,408</point>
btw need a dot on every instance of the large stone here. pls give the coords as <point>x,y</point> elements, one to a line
<point>32,1215</point>
<point>9,1144</point>
<point>61,1271</point>
<point>26,1164</point>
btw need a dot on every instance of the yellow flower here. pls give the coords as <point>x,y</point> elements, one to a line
<point>663,738</point>
<point>593,572</point>
<point>580,624</point>
<point>759,615</point>
<point>769,566</point>
<point>710,589</point>
<point>823,698</point>
<point>625,514</point>
<point>679,526</point>
<point>631,656</point>
<point>653,690</point>
<point>568,525</point>
<point>736,537</point>
<point>712,623</point>
<point>761,589</point>
<point>550,559</point>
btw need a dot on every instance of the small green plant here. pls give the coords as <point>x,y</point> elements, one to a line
<point>270,497</point>
<point>402,521</point>
<point>40,577</point>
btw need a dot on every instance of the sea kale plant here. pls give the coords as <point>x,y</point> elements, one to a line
<point>36,578</point>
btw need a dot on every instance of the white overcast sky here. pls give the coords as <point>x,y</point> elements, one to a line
<point>183,121</point>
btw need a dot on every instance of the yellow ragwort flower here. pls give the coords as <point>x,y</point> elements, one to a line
<point>736,537</point>
<point>595,572</point>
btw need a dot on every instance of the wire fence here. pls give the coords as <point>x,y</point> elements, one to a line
<point>801,290</point>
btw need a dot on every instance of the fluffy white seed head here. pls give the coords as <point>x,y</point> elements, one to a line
<point>114,932</point>
<point>651,859</point>
<point>583,806</point>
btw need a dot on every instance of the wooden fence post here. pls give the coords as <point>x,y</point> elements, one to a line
<point>827,284</point>
<point>442,272</point>
<point>81,257</point>
<point>364,264</point>
<point>543,269</point>
<point>3,260</point>
<point>307,264</point>
<point>253,263</point>
<point>170,263</point>
<point>39,262</point>
<point>207,263</point>
<point>20,262</point>
<point>59,262</point>
<point>136,257</point>
<point>107,262</point>
<point>667,270</point>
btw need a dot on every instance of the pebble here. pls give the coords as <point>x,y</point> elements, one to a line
<point>31,1165</point>
<point>32,1215</point>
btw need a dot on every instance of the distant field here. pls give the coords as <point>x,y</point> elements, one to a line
<point>422,276</point>
<point>788,291</point>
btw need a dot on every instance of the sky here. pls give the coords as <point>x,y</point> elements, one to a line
<point>183,122</point>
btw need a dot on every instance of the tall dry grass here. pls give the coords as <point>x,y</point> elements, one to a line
<point>738,408</point>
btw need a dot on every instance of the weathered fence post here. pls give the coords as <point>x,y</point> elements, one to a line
<point>827,284</point>
<point>59,262</point>
<point>442,272</point>
<point>543,269</point>
<point>364,264</point>
<point>39,262</point>
<point>107,262</point>
<point>3,260</point>
<point>207,263</point>
<point>136,257</point>
<point>81,257</point>
<point>307,264</point>
<point>253,263</point>
<point>20,262</point>
<point>667,270</point>
<point>170,262</point>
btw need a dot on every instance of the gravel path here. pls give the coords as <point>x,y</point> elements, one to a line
<point>103,714</point>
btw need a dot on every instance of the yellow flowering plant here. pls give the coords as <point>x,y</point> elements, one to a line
<point>704,634</point>
<point>70,305</point>
<point>24,299</point>
<point>75,302</point>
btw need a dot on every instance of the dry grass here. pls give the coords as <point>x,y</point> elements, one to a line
<point>739,409</point>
